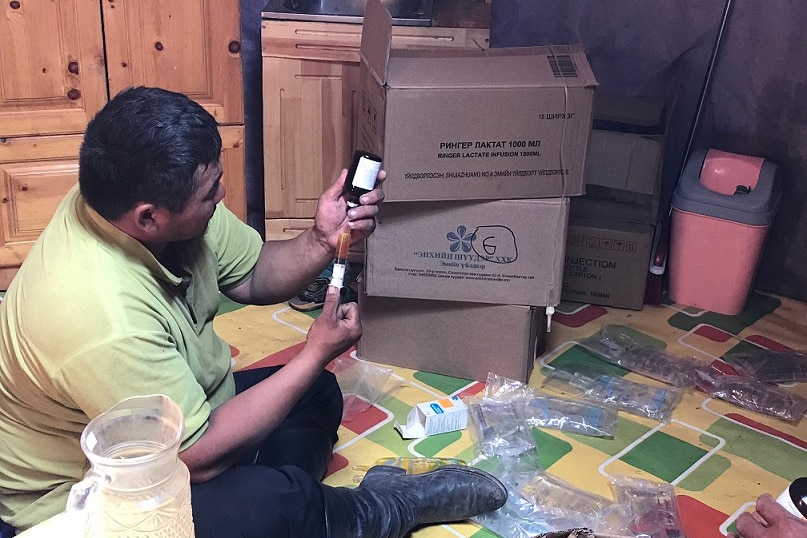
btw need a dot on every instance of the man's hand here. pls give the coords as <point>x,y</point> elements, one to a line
<point>336,328</point>
<point>770,520</point>
<point>333,217</point>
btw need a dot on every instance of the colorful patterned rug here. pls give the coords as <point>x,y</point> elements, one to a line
<point>719,457</point>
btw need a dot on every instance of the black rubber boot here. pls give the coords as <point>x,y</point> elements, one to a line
<point>390,503</point>
<point>306,448</point>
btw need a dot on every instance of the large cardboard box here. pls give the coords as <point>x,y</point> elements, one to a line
<point>465,340</point>
<point>607,262</point>
<point>500,252</point>
<point>625,156</point>
<point>458,125</point>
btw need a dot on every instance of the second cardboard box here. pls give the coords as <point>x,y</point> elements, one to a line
<point>498,252</point>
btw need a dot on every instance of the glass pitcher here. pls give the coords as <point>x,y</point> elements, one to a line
<point>136,486</point>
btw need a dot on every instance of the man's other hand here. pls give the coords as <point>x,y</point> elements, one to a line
<point>336,328</point>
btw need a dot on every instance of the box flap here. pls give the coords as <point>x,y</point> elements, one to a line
<point>610,224</point>
<point>629,114</point>
<point>521,67</point>
<point>376,38</point>
<point>624,161</point>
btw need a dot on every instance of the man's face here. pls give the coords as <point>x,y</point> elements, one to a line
<point>193,219</point>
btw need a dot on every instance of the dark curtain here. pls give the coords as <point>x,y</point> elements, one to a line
<point>253,109</point>
<point>661,49</point>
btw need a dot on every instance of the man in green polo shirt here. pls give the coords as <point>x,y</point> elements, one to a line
<point>117,298</point>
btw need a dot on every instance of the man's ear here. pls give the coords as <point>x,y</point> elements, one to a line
<point>148,218</point>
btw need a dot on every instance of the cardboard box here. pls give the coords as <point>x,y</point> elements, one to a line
<point>499,252</point>
<point>465,340</point>
<point>460,125</point>
<point>438,416</point>
<point>607,262</point>
<point>625,156</point>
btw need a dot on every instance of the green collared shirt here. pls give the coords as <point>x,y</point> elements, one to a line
<point>92,318</point>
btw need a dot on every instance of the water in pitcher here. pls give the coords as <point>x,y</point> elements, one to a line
<point>137,486</point>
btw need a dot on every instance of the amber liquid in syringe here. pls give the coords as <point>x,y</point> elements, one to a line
<point>340,260</point>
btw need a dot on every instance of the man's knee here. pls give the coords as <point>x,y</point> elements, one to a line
<point>253,500</point>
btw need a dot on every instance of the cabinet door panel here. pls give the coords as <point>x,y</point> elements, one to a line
<point>233,165</point>
<point>192,47</point>
<point>30,194</point>
<point>309,131</point>
<point>52,76</point>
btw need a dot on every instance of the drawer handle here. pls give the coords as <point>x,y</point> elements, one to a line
<point>234,47</point>
<point>73,67</point>
<point>73,94</point>
<point>339,48</point>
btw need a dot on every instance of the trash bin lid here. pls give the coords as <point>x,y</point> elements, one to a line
<point>756,207</point>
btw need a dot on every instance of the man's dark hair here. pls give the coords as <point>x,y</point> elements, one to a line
<point>145,145</point>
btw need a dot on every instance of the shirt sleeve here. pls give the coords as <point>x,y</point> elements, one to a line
<point>235,244</point>
<point>139,364</point>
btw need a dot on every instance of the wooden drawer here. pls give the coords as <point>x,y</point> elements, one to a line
<point>35,174</point>
<point>341,42</point>
<point>30,192</point>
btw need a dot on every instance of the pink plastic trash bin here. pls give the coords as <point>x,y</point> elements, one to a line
<point>721,212</point>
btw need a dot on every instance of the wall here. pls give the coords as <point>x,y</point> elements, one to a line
<point>662,49</point>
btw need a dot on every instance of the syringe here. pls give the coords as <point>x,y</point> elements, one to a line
<point>340,260</point>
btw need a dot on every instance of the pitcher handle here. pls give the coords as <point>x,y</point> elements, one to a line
<point>80,492</point>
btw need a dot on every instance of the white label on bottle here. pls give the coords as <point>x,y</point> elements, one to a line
<point>366,173</point>
<point>786,500</point>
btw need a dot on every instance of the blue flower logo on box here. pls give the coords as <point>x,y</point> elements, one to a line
<point>496,244</point>
<point>460,239</point>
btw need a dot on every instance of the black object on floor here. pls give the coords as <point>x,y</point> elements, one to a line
<point>312,297</point>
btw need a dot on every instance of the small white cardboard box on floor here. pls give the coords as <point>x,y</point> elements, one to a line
<point>499,123</point>
<point>430,418</point>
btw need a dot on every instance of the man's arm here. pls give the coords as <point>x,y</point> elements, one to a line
<point>285,267</point>
<point>239,425</point>
<point>770,520</point>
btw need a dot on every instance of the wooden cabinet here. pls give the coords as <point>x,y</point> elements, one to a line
<point>310,84</point>
<point>63,59</point>
<point>35,173</point>
<point>52,66</point>
<point>192,47</point>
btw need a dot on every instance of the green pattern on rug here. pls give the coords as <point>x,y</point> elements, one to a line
<point>663,456</point>
<point>778,457</point>
<point>707,472</point>
<point>757,307</point>
<point>434,444</point>
<point>639,337</point>
<point>578,358</point>
<point>627,431</point>
<point>443,383</point>
<point>550,448</point>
